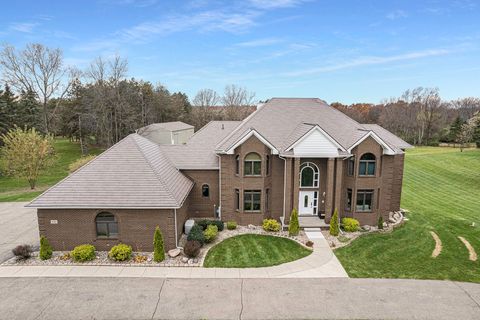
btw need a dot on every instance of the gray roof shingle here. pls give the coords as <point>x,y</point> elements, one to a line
<point>169,126</point>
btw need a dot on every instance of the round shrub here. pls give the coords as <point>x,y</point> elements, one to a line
<point>192,248</point>
<point>120,252</point>
<point>196,233</point>
<point>271,225</point>
<point>210,233</point>
<point>84,252</point>
<point>350,224</point>
<point>23,251</point>
<point>205,223</point>
<point>231,225</point>
<point>46,250</point>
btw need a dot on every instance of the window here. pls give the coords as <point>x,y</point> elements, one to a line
<point>309,175</point>
<point>205,190</point>
<point>106,225</point>
<point>252,200</point>
<point>348,204</point>
<point>237,199</point>
<point>267,198</point>
<point>366,166</point>
<point>351,166</point>
<point>252,165</point>
<point>267,165</point>
<point>237,164</point>
<point>364,200</point>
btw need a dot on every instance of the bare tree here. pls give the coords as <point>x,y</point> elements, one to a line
<point>236,99</point>
<point>466,107</point>
<point>206,98</point>
<point>37,69</point>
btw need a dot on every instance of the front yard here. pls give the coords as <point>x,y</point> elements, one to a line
<point>442,192</point>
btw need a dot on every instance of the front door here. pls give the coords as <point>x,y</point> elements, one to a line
<point>306,202</point>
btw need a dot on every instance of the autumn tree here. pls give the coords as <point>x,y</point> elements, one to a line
<point>26,153</point>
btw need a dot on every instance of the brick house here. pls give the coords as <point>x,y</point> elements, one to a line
<point>290,153</point>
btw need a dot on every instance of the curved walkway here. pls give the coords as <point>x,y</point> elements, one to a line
<point>322,263</point>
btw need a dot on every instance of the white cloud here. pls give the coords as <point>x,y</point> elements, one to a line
<point>259,42</point>
<point>25,27</point>
<point>397,14</point>
<point>274,4</point>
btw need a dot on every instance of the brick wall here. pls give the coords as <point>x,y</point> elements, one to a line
<point>200,206</point>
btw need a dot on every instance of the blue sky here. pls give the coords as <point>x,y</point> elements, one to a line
<point>347,51</point>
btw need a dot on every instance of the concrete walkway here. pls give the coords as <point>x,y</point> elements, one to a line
<point>322,263</point>
<point>139,298</point>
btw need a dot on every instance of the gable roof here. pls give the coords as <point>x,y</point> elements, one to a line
<point>168,126</point>
<point>285,121</point>
<point>134,173</point>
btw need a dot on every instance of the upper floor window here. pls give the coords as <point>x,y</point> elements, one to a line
<point>351,166</point>
<point>367,165</point>
<point>205,190</point>
<point>237,164</point>
<point>252,164</point>
<point>309,175</point>
<point>107,225</point>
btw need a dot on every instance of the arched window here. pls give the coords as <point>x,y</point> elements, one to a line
<point>367,165</point>
<point>107,225</point>
<point>237,164</point>
<point>205,190</point>
<point>309,175</point>
<point>252,164</point>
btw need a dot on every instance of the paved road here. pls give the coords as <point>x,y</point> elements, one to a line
<point>18,225</point>
<point>154,298</point>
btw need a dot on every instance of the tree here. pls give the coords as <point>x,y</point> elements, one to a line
<point>26,154</point>
<point>158,249</point>
<point>235,99</point>
<point>334,224</point>
<point>46,250</point>
<point>206,98</point>
<point>37,69</point>
<point>380,223</point>
<point>456,128</point>
<point>468,131</point>
<point>476,130</point>
<point>293,227</point>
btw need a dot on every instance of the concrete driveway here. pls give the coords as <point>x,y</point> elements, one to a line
<point>139,298</point>
<point>18,225</point>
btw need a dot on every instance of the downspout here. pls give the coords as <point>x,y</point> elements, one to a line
<point>219,187</point>
<point>284,187</point>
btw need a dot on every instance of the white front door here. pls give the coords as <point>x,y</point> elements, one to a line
<point>306,201</point>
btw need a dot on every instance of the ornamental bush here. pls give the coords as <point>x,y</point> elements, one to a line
<point>271,225</point>
<point>334,225</point>
<point>293,227</point>
<point>82,253</point>
<point>120,252</point>
<point>46,250</point>
<point>205,223</point>
<point>350,224</point>
<point>158,249</point>
<point>210,233</point>
<point>196,233</point>
<point>192,248</point>
<point>380,223</point>
<point>231,225</point>
<point>23,251</point>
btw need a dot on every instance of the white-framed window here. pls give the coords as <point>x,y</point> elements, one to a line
<point>252,164</point>
<point>366,166</point>
<point>252,200</point>
<point>309,175</point>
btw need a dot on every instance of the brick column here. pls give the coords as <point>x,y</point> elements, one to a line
<point>329,189</point>
<point>339,187</point>
<point>296,181</point>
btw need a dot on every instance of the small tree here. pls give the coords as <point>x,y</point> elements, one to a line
<point>466,134</point>
<point>158,249</point>
<point>334,224</point>
<point>26,154</point>
<point>293,227</point>
<point>46,250</point>
<point>380,223</point>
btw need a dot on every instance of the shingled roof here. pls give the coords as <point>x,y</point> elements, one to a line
<point>134,173</point>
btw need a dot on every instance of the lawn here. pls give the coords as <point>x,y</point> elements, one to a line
<point>441,190</point>
<point>252,251</point>
<point>12,189</point>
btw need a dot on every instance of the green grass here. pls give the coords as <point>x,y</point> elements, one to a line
<point>442,191</point>
<point>13,189</point>
<point>252,251</point>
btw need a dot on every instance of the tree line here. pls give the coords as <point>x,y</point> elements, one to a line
<point>101,104</point>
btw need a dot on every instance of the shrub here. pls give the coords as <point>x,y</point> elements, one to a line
<point>23,251</point>
<point>196,233</point>
<point>205,223</point>
<point>192,248</point>
<point>84,252</point>
<point>271,225</point>
<point>210,233</point>
<point>293,227</point>
<point>231,225</point>
<point>77,164</point>
<point>158,249</point>
<point>350,224</point>
<point>140,258</point>
<point>120,252</point>
<point>46,250</point>
<point>309,243</point>
<point>380,223</point>
<point>334,226</point>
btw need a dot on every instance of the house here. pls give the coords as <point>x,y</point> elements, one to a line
<point>176,132</point>
<point>290,153</point>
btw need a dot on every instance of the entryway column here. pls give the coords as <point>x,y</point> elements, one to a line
<point>296,181</point>
<point>329,189</point>
<point>338,186</point>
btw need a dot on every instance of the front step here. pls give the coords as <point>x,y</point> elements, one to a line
<point>314,233</point>
<point>306,222</point>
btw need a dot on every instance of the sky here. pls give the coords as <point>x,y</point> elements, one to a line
<point>346,51</point>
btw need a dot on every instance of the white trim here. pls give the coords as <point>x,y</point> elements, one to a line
<point>315,156</point>
<point>316,127</point>
<point>245,137</point>
<point>386,149</point>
